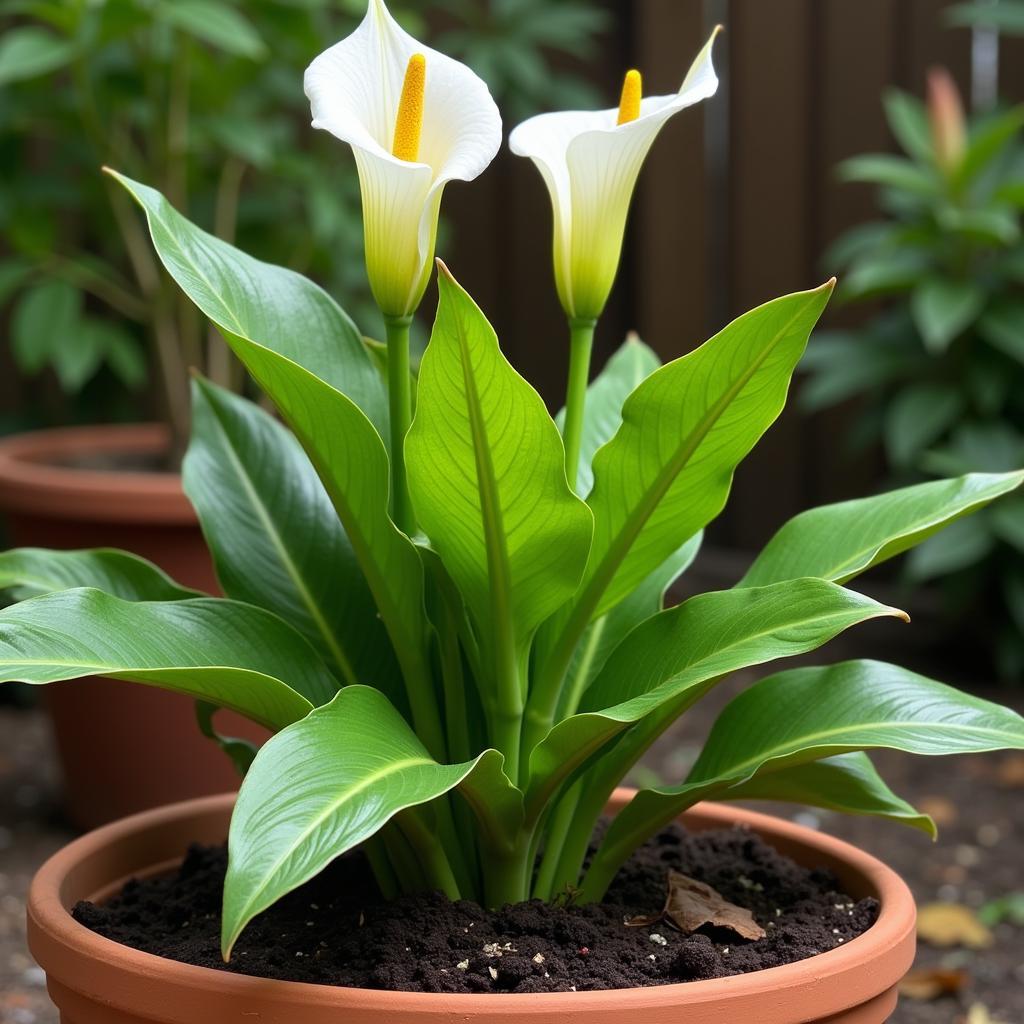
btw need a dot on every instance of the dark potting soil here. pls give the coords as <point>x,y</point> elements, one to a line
<point>336,930</point>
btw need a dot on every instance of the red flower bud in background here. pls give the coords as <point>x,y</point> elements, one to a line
<point>946,115</point>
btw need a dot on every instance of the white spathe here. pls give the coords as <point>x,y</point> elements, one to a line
<point>354,90</point>
<point>590,165</point>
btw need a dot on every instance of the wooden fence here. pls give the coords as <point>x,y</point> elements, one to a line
<point>736,204</point>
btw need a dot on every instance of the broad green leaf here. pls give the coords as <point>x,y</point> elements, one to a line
<point>806,714</point>
<point>837,542</point>
<point>847,783</point>
<point>321,787</point>
<point>890,172</point>
<point>604,634</point>
<point>885,273</point>
<point>45,319</point>
<point>602,414</point>
<point>908,121</point>
<point>840,364</point>
<point>987,141</point>
<point>994,226</point>
<point>1007,522</point>
<point>667,471</point>
<point>224,652</point>
<point>1007,17</point>
<point>964,544</point>
<point>487,478</point>
<point>1002,326</point>
<point>30,572</point>
<point>219,24</point>
<point>917,416</point>
<point>668,662</point>
<point>293,317</point>
<point>27,52</point>
<point>274,535</point>
<point>943,309</point>
<point>989,446</point>
<point>256,303</point>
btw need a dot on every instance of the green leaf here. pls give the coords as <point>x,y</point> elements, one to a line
<point>45,319</point>
<point>487,478</point>
<point>965,543</point>
<point>908,121</point>
<point>28,52</point>
<point>321,787</point>
<point>230,654</point>
<point>667,472</point>
<point>990,446</point>
<point>805,714</point>
<point>295,319</point>
<point>840,364</point>
<point>241,752</point>
<point>917,416</point>
<point>275,538</point>
<point>1002,326</point>
<point>838,542</point>
<point>891,172</point>
<point>604,634</point>
<point>943,309</point>
<point>1008,17</point>
<point>216,23</point>
<point>34,571</point>
<point>987,141</point>
<point>884,273</point>
<point>668,662</point>
<point>602,415</point>
<point>1007,522</point>
<point>847,783</point>
<point>256,303</point>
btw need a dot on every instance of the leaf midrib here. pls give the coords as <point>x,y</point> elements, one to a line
<point>332,808</point>
<point>814,739</point>
<point>606,569</point>
<point>284,554</point>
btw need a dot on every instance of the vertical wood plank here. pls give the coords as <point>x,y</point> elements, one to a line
<point>670,267</point>
<point>771,47</point>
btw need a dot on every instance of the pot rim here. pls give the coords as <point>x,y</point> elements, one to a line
<point>33,481</point>
<point>888,945</point>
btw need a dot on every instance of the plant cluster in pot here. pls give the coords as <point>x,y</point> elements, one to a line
<point>450,613</point>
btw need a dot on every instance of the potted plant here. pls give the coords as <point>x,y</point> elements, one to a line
<point>939,368</point>
<point>451,618</point>
<point>184,95</point>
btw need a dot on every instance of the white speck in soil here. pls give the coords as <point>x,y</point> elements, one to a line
<point>658,939</point>
<point>462,965</point>
<point>493,972</point>
<point>538,958</point>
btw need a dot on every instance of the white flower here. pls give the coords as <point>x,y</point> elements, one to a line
<point>355,89</point>
<point>590,161</point>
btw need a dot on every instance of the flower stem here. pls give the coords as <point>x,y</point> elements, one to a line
<point>581,343</point>
<point>400,406</point>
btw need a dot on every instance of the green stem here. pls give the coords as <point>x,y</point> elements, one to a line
<point>430,853</point>
<point>581,343</point>
<point>507,874</point>
<point>400,405</point>
<point>377,854</point>
<point>557,834</point>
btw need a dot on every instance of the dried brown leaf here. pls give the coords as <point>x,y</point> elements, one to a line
<point>690,905</point>
<point>951,924</point>
<point>928,983</point>
<point>979,1014</point>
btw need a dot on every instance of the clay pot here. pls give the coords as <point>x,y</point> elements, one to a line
<point>95,981</point>
<point>51,497</point>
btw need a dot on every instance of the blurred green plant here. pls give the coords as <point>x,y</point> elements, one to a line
<point>1006,16</point>
<point>939,365</point>
<point>182,93</point>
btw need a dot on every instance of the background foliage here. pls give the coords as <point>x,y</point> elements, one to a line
<point>185,94</point>
<point>939,363</point>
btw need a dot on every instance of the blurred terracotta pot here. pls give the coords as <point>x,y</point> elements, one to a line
<point>95,981</point>
<point>83,487</point>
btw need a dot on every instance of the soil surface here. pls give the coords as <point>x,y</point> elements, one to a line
<point>331,932</point>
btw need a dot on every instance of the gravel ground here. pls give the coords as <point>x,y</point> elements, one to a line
<point>979,857</point>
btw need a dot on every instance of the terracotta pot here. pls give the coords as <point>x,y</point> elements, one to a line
<point>51,498</point>
<point>95,981</point>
